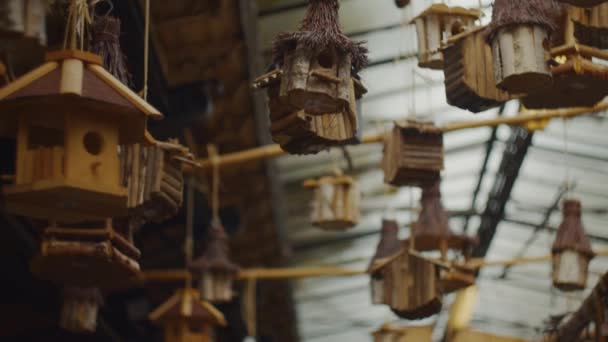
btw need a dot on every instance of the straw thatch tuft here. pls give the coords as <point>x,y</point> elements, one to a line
<point>546,13</point>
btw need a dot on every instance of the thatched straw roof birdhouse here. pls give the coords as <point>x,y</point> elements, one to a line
<point>214,269</point>
<point>388,246</point>
<point>80,308</point>
<point>185,317</point>
<point>519,35</point>
<point>571,250</point>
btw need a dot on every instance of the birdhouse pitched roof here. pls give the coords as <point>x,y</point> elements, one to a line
<point>185,304</point>
<point>389,244</point>
<point>215,257</point>
<point>571,233</point>
<point>445,10</point>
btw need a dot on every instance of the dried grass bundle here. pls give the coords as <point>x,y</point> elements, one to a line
<point>546,13</point>
<point>106,43</point>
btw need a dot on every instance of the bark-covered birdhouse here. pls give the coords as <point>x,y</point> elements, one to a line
<point>396,333</point>
<point>571,250</point>
<point>435,25</point>
<point>519,35</point>
<point>470,82</point>
<point>591,24</point>
<point>214,269</point>
<point>69,116</point>
<point>388,246</point>
<point>80,308</point>
<point>95,254</point>
<point>413,154</point>
<point>335,202</point>
<point>185,317</point>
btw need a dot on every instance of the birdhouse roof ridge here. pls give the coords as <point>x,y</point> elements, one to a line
<point>186,304</point>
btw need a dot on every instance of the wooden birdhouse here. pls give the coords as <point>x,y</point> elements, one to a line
<point>411,285</point>
<point>67,161</point>
<point>591,24</point>
<point>388,246</point>
<point>214,269</point>
<point>470,82</point>
<point>80,308</point>
<point>519,35</point>
<point>435,25</point>
<point>394,333</point>
<point>402,3</point>
<point>335,203</point>
<point>413,154</point>
<point>87,255</point>
<point>571,250</point>
<point>186,318</point>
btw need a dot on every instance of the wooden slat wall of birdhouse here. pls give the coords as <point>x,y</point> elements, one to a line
<point>591,25</point>
<point>41,163</point>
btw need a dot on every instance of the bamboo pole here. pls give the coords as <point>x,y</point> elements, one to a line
<point>273,151</point>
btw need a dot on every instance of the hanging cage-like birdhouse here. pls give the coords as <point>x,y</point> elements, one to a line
<point>96,254</point>
<point>519,35</point>
<point>335,202</point>
<point>395,333</point>
<point>413,154</point>
<point>571,250</point>
<point>80,309</point>
<point>185,317</point>
<point>435,25</point>
<point>214,269</point>
<point>591,25</point>
<point>69,117</point>
<point>388,246</point>
<point>470,82</point>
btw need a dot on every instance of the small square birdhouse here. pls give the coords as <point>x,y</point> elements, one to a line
<point>435,25</point>
<point>69,117</point>
<point>470,82</point>
<point>80,309</point>
<point>388,246</point>
<point>413,154</point>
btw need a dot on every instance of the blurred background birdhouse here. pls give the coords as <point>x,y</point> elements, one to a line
<point>80,309</point>
<point>583,3</point>
<point>434,26</point>
<point>590,24</point>
<point>388,246</point>
<point>335,202</point>
<point>571,250</point>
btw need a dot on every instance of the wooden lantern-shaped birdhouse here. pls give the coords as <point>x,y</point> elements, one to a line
<point>413,154</point>
<point>388,246</point>
<point>571,250</point>
<point>591,25</point>
<point>95,254</point>
<point>436,24</point>
<point>186,318</point>
<point>67,160</point>
<point>80,308</point>
<point>519,35</point>
<point>470,82</point>
<point>393,333</point>
<point>214,269</point>
<point>335,203</point>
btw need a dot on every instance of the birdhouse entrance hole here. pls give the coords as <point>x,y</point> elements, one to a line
<point>326,59</point>
<point>93,143</point>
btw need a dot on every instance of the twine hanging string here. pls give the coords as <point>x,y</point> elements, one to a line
<point>566,153</point>
<point>77,23</point>
<point>249,308</point>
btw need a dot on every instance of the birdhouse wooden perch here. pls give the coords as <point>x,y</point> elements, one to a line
<point>388,246</point>
<point>186,318</point>
<point>436,24</point>
<point>470,82</point>
<point>519,35</point>
<point>69,116</point>
<point>571,250</point>
<point>215,270</point>
<point>80,308</point>
<point>335,203</point>
<point>413,154</point>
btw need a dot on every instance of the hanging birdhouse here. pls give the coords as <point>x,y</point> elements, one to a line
<point>583,3</point>
<point>402,3</point>
<point>413,154</point>
<point>67,161</point>
<point>388,246</point>
<point>406,333</point>
<point>591,24</point>
<point>470,82</point>
<point>411,285</point>
<point>519,35</point>
<point>436,24</point>
<point>186,318</point>
<point>80,308</point>
<point>87,255</point>
<point>571,250</point>
<point>215,270</point>
<point>335,203</point>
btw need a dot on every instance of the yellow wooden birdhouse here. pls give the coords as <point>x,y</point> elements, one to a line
<point>185,318</point>
<point>69,116</point>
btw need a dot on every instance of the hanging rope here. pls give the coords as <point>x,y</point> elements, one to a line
<point>249,309</point>
<point>566,152</point>
<point>77,23</point>
<point>215,187</point>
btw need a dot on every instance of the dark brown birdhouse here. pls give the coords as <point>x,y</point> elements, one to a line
<point>413,154</point>
<point>214,269</point>
<point>69,117</point>
<point>388,246</point>
<point>583,3</point>
<point>470,82</point>
<point>80,308</point>
<point>571,250</point>
<point>335,202</point>
<point>186,318</point>
<point>519,35</point>
<point>87,255</point>
<point>436,24</point>
<point>591,24</point>
<point>402,3</point>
